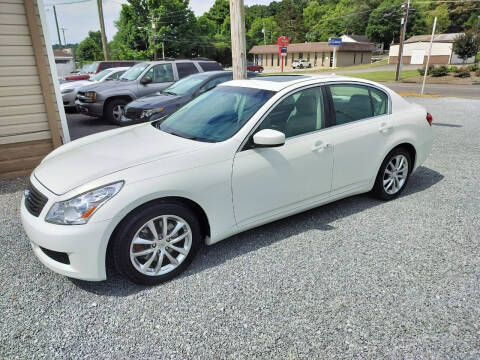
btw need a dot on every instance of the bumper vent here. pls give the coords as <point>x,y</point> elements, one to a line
<point>133,113</point>
<point>34,200</point>
<point>61,257</point>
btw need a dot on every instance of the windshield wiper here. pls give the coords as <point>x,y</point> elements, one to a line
<point>169,92</point>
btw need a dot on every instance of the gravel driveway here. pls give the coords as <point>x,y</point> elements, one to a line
<point>358,278</point>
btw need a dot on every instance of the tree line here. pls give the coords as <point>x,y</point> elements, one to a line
<point>145,24</point>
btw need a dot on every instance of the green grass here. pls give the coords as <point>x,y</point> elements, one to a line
<point>383,75</point>
<point>327,69</point>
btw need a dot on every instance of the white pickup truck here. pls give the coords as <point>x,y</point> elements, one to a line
<point>301,64</point>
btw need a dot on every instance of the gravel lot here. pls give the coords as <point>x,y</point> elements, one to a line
<point>358,278</point>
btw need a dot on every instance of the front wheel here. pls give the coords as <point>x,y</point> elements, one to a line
<point>260,70</point>
<point>114,110</point>
<point>393,174</point>
<point>156,243</point>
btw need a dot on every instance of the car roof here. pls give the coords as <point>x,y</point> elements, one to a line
<point>176,61</point>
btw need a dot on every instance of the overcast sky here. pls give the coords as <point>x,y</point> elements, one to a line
<point>79,18</point>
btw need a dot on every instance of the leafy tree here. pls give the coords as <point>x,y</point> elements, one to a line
<point>466,45</point>
<point>255,33</point>
<point>443,19</point>
<point>290,21</point>
<point>89,49</point>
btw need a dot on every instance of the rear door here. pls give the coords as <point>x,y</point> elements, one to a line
<point>185,68</point>
<point>362,132</point>
<point>161,75</point>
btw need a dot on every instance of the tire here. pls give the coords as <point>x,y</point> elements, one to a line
<point>137,227</point>
<point>300,66</point>
<point>260,70</point>
<point>111,110</point>
<point>395,184</point>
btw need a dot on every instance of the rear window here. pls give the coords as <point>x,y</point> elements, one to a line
<point>210,66</point>
<point>185,69</point>
<point>106,65</point>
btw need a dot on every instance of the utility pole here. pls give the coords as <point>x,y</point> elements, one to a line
<point>102,29</point>
<point>403,30</point>
<point>264,38</point>
<point>237,27</point>
<point>163,50</point>
<point>64,39</point>
<point>58,30</point>
<point>429,53</point>
<point>153,40</point>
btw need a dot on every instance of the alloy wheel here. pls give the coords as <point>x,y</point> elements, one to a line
<point>117,112</point>
<point>161,245</point>
<point>395,174</point>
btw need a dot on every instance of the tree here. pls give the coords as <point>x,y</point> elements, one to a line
<point>443,19</point>
<point>255,33</point>
<point>89,49</point>
<point>466,45</point>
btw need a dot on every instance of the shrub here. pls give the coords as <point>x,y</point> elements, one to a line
<point>429,72</point>
<point>474,67</point>
<point>452,68</point>
<point>477,73</point>
<point>463,74</point>
<point>440,71</point>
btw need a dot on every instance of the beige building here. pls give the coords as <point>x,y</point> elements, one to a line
<point>32,119</point>
<point>320,54</point>
<point>415,50</point>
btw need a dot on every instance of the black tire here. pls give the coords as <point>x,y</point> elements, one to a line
<point>112,105</point>
<point>378,189</point>
<point>122,241</point>
<point>300,66</point>
<point>260,70</point>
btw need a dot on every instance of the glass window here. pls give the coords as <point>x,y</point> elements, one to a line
<point>299,113</point>
<point>106,65</point>
<point>214,82</point>
<point>379,101</point>
<point>134,72</point>
<point>351,102</point>
<point>278,60</point>
<point>215,115</point>
<point>323,58</point>
<point>210,66</point>
<point>185,69</point>
<point>300,55</point>
<point>186,85</point>
<point>160,73</point>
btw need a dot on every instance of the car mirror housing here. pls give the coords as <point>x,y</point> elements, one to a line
<point>269,138</point>
<point>146,80</point>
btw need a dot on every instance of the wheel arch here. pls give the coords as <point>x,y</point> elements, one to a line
<point>194,206</point>
<point>411,151</point>
<point>126,97</point>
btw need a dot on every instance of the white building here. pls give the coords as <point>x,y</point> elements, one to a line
<point>64,61</point>
<point>415,50</point>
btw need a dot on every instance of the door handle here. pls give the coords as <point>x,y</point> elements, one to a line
<point>320,147</point>
<point>384,128</point>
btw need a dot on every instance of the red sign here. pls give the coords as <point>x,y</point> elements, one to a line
<point>283,41</point>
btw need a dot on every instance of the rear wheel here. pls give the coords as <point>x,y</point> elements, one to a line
<point>260,70</point>
<point>156,243</point>
<point>393,174</point>
<point>114,110</point>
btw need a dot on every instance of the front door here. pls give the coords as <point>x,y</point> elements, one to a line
<point>417,57</point>
<point>161,75</point>
<point>268,182</point>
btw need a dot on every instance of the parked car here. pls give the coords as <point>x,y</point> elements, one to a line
<point>243,154</point>
<point>301,64</point>
<point>254,67</point>
<point>69,89</point>
<point>96,67</point>
<point>108,99</point>
<point>167,101</point>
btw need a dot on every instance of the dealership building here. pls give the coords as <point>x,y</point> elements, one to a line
<point>320,54</point>
<point>415,50</point>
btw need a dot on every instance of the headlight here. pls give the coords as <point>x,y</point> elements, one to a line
<point>66,91</point>
<point>150,112</point>
<point>80,209</point>
<point>91,95</point>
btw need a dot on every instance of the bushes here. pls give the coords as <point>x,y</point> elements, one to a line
<point>440,71</point>
<point>463,73</point>
<point>474,67</point>
<point>452,68</point>
<point>477,73</point>
<point>429,71</point>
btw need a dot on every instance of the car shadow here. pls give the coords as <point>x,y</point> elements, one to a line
<point>319,218</point>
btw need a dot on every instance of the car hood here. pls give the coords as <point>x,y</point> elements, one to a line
<point>99,86</point>
<point>153,101</point>
<point>75,84</point>
<point>95,156</point>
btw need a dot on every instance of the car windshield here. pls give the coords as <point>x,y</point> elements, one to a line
<point>134,72</point>
<point>215,115</point>
<point>185,86</point>
<point>100,75</point>
<point>92,67</point>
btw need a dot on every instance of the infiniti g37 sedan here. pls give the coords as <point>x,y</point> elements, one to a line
<point>244,154</point>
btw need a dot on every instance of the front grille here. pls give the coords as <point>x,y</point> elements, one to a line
<point>34,200</point>
<point>133,113</point>
<point>57,256</point>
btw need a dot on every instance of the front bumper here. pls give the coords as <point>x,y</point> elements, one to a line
<point>69,99</point>
<point>91,109</point>
<point>85,245</point>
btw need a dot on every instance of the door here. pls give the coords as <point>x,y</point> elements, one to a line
<point>267,182</point>
<point>417,57</point>
<point>161,75</point>
<point>362,132</point>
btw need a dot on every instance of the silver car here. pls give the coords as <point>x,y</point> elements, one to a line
<point>69,89</point>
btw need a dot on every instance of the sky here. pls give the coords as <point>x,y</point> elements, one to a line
<point>79,18</point>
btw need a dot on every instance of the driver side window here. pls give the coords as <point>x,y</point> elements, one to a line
<point>161,73</point>
<point>297,114</point>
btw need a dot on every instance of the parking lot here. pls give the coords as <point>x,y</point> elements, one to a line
<point>358,278</point>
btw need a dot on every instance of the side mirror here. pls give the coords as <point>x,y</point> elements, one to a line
<point>146,80</point>
<point>269,138</point>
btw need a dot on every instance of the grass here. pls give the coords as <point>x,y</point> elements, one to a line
<point>383,75</point>
<point>327,69</point>
<point>414,94</point>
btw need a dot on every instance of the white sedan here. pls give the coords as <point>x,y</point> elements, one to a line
<point>241,155</point>
<point>69,89</point>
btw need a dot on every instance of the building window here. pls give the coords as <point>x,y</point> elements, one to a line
<point>308,56</point>
<point>286,59</point>
<point>354,57</point>
<point>293,57</point>
<point>362,59</point>
<point>315,62</point>
<point>300,55</point>
<point>278,60</point>
<point>271,63</point>
<point>323,59</point>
